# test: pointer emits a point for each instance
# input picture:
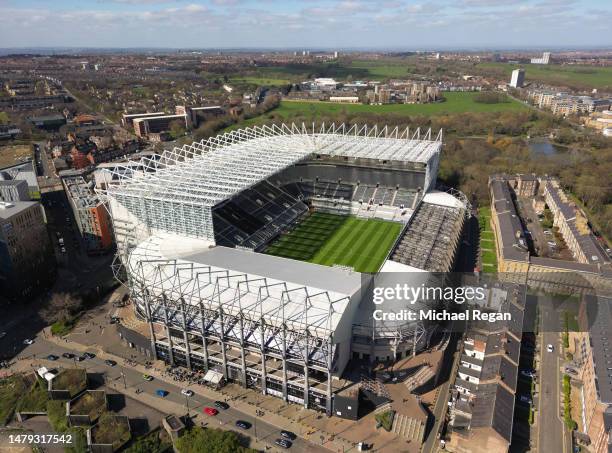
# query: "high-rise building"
(544, 60)
(27, 265)
(14, 190)
(518, 78)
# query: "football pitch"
(330, 239)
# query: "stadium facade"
(191, 224)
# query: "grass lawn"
(330, 239)
(571, 75)
(487, 241)
(14, 154)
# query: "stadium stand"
(430, 240)
(256, 216)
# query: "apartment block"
(90, 214)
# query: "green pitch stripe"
(352, 250)
(327, 254)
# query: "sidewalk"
(283, 415)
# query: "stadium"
(249, 253)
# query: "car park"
(186, 392)
(284, 443)
(242, 424)
(147, 377)
(221, 405)
(288, 435)
(211, 411)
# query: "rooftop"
(213, 170)
(9, 209)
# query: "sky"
(307, 24)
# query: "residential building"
(518, 78)
(27, 265)
(592, 355)
(127, 119)
(481, 405)
(90, 214)
(144, 126)
(545, 59)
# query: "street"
(552, 435)
(127, 380)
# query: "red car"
(210, 411)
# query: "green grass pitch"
(330, 239)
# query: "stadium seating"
(255, 216)
(430, 240)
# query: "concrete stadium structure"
(189, 224)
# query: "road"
(552, 435)
(114, 377)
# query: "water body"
(543, 146)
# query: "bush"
(11, 389)
(63, 326)
(36, 399)
(385, 419)
(567, 403)
(56, 412)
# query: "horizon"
(396, 25)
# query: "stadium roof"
(213, 170)
(287, 292)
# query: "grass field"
(312, 110)
(14, 154)
(573, 76)
(330, 239)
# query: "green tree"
(200, 440)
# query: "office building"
(14, 190)
(27, 264)
(161, 123)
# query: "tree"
(200, 440)
(62, 306)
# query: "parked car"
(547, 232)
(52, 357)
(63, 249)
(550, 348)
(525, 399)
(186, 392)
(287, 435)
(211, 411)
(528, 373)
(80, 358)
(89, 355)
(147, 377)
(68, 355)
(552, 244)
(570, 370)
(221, 405)
(110, 362)
(28, 341)
(2, 334)
(242, 424)
(284, 443)
(161, 392)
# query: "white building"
(518, 78)
(544, 60)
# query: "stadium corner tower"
(193, 224)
